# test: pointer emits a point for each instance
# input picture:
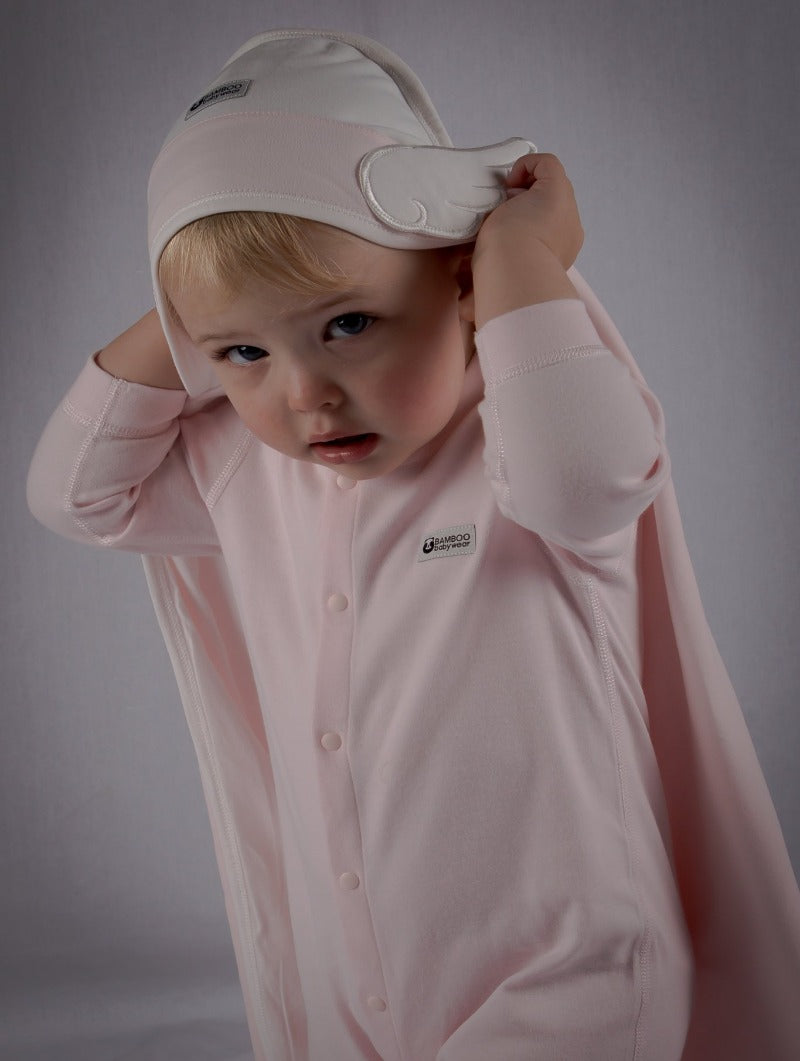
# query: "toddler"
(479, 786)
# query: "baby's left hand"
(541, 205)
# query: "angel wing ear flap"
(438, 191)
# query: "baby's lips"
(349, 449)
(331, 436)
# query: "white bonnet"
(328, 126)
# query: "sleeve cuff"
(98, 397)
(544, 333)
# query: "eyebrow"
(217, 338)
(332, 300)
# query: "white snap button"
(337, 602)
(344, 483)
(349, 881)
(331, 742)
(376, 1003)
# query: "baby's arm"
(141, 355)
(575, 447)
(110, 468)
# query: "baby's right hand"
(540, 206)
(526, 244)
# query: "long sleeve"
(110, 470)
(574, 445)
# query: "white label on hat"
(230, 90)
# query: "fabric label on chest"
(449, 541)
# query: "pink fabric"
(194, 170)
(442, 789)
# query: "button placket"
(339, 811)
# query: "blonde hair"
(225, 250)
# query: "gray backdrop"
(678, 124)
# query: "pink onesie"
(479, 785)
(418, 705)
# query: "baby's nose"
(308, 389)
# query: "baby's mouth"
(343, 441)
(347, 449)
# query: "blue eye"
(348, 325)
(241, 355)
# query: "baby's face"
(359, 379)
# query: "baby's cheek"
(414, 401)
(245, 411)
(256, 418)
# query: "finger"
(521, 172)
(532, 167)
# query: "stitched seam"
(601, 635)
(83, 453)
(104, 430)
(626, 550)
(255, 193)
(98, 431)
(500, 475)
(557, 357)
(225, 476)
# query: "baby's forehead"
(352, 264)
(335, 245)
(387, 282)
